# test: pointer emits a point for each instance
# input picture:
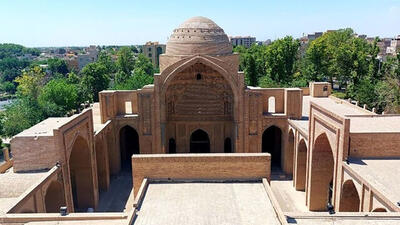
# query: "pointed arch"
(272, 143)
(54, 197)
(81, 176)
(199, 142)
(321, 179)
(289, 152)
(129, 145)
(169, 74)
(301, 162)
(379, 210)
(349, 199)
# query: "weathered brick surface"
(200, 166)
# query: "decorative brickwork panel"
(146, 114)
(199, 93)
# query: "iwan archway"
(321, 179)
(129, 145)
(82, 182)
(272, 143)
(199, 142)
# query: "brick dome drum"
(198, 35)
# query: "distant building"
(267, 42)
(89, 56)
(72, 62)
(246, 41)
(383, 44)
(362, 36)
(153, 50)
(394, 46)
(314, 36)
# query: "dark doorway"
(129, 144)
(81, 176)
(199, 142)
(172, 146)
(228, 145)
(54, 197)
(271, 143)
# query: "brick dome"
(198, 35)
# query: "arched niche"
(129, 145)
(272, 143)
(301, 162)
(81, 176)
(199, 142)
(54, 197)
(321, 179)
(349, 199)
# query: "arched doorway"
(289, 153)
(172, 146)
(379, 210)
(199, 142)
(228, 145)
(80, 166)
(350, 200)
(129, 145)
(54, 197)
(300, 170)
(321, 179)
(271, 143)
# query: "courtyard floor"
(118, 195)
(289, 199)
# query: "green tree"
(250, 70)
(281, 57)
(20, 115)
(136, 80)
(58, 97)
(30, 83)
(11, 67)
(106, 60)
(144, 63)
(57, 65)
(125, 60)
(8, 87)
(95, 78)
(388, 89)
(252, 62)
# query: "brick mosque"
(200, 147)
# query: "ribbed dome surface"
(198, 35)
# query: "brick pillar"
(294, 103)
(107, 105)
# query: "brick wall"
(200, 166)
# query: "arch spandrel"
(330, 139)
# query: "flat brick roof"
(375, 124)
(386, 182)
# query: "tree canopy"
(57, 65)
(95, 78)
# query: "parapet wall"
(200, 166)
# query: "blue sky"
(36, 23)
